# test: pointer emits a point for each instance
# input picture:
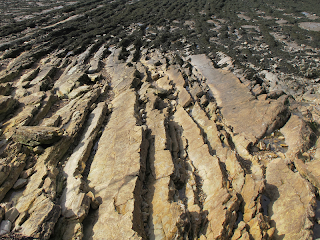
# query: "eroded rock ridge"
(93, 147)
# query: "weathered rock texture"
(93, 147)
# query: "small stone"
(38, 150)
(203, 100)
(20, 183)
(262, 146)
(5, 227)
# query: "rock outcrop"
(93, 147)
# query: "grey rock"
(20, 183)
(5, 227)
(12, 214)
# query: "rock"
(5, 227)
(24, 60)
(12, 214)
(165, 219)
(275, 94)
(46, 104)
(196, 91)
(257, 90)
(28, 107)
(38, 149)
(163, 86)
(240, 110)
(94, 202)
(75, 202)
(27, 173)
(20, 183)
(16, 166)
(95, 77)
(2, 213)
(37, 135)
(298, 136)
(27, 77)
(225, 155)
(43, 216)
(290, 222)
(45, 72)
(95, 61)
(121, 179)
(184, 98)
(5, 88)
(7, 105)
(251, 191)
(78, 91)
(45, 168)
(220, 204)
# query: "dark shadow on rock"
(272, 192)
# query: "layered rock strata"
(93, 147)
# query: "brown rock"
(43, 216)
(16, 167)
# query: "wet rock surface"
(152, 150)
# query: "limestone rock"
(165, 219)
(75, 202)
(247, 116)
(43, 216)
(120, 143)
(219, 203)
(292, 202)
(15, 168)
(297, 136)
(184, 98)
(95, 61)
